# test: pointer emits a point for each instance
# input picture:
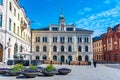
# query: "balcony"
(23, 25)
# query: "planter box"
(3, 70)
(51, 73)
(13, 73)
(64, 71)
(30, 75)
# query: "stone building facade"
(15, 33)
(61, 42)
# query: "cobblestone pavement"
(101, 72)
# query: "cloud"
(107, 1)
(87, 9)
(101, 21)
(38, 23)
(80, 13)
(112, 1)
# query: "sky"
(96, 15)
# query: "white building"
(61, 42)
(15, 32)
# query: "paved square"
(101, 72)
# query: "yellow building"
(97, 49)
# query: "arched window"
(15, 48)
(86, 58)
(70, 48)
(62, 48)
(86, 48)
(54, 58)
(69, 58)
(62, 58)
(79, 48)
(44, 57)
(79, 58)
(21, 48)
(54, 48)
(37, 57)
(44, 48)
(37, 48)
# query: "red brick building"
(111, 44)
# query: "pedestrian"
(94, 64)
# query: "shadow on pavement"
(6, 75)
(21, 77)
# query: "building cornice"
(80, 32)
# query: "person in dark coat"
(94, 64)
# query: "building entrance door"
(69, 58)
(62, 58)
(1, 52)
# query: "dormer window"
(69, 29)
(55, 29)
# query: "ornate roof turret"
(61, 17)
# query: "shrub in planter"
(64, 71)
(16, 70)
(31, 72)
(50, 70)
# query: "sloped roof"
(80, 29)
(115, 26)
(44, 29)
(96, 38)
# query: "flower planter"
(13, 73)
(3, 70)
(64, 71)
(50, 73)
(30, 73)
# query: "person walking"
(94, 64)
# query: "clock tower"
(62, 21)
